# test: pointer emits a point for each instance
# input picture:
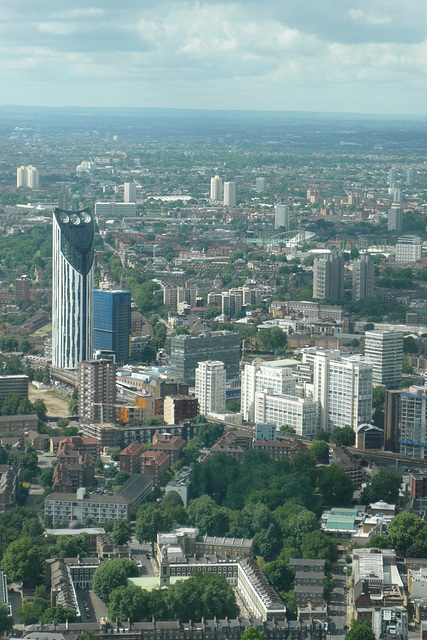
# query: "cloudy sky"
(362, 56)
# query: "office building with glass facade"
(112, 323)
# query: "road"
(338, 618)
(147, 566)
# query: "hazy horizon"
(367, 58)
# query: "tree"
(22, 562)
(360, 632)
(121, 477)
(3, 455)
(301, 524)
(252, 633)
(10, 404)
(271, 339)
(320, 450)
(318, 545)
(410, 345)
(40, 409)
(112, 574)
(28, 463)
(202, 595)
(384, 486)
(62, 423)
(129, 603)
(404, 530)
(343, 435)
(66, 547)
(378, 397)
(87, 635)
(207, 516)
(285, 428)
(32, 528)
(172, 499)
(150, 520)
(6, 621)
(121, 532)
(321, 435)
(335, 486)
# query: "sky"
(357, 56)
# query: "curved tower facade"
(72, 287)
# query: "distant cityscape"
(213, 347)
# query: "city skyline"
(211, 55)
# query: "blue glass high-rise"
(112, 323)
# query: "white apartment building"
(100, 508)
(300, 413)
(275, 377)
(408, 249)
(281, 216)
(413, 422)
(229, 194)
(384, 350)
(130, 192)
(343, 387)
(210, 386)
(216, 189)
(349, 400)
(27, 177)
(106, 209)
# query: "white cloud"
(58, 28)
(211, 53)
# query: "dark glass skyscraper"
(112, 314)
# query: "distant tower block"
(260, 184)
(130, 192)
(229, 194)
(395, 219)
(216, 189)
(392, 174)
(27, 177)
(281, 216)
(410, 177)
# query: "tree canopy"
(112, 574)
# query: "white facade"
(115, 209)
(69, 507)
(349, 399)
(216, 189)
(281, 216)
(269, 377)
(408, 249)
(130, 192)
(229, 194)
(300, 413)
(72, 287)
(210, 386)
(343, 387)
(384, 350)
(27, 177)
